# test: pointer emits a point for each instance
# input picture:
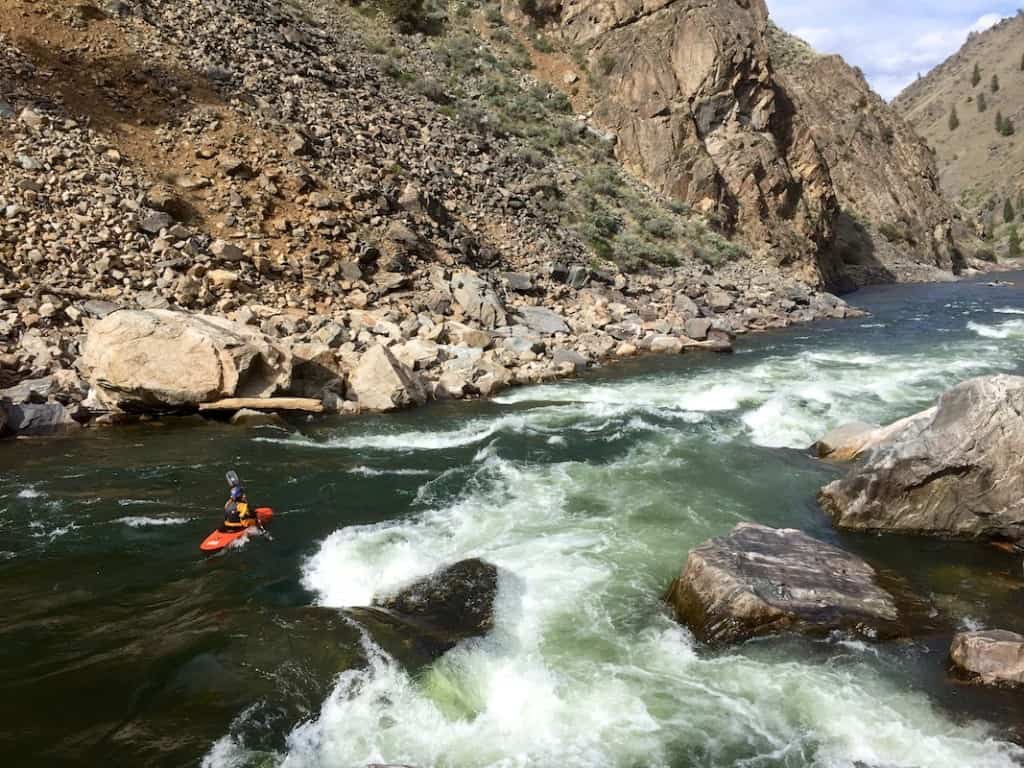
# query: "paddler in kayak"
(237, 513)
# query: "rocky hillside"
(345, 179)
(789, 150)
(956, 108)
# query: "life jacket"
(236, 514)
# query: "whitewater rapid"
(584, 667)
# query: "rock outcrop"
(160, 360)
(894, 223)
(957, 472)
(760, 581)
(381, 382)
(713, 105)
(850, 441)
(991, 657)
(434, 614)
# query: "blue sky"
(892, 40)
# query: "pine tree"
(995, 83)
(976, 75)
(999, 122)
(954, 120)
(1008, 212)
(1007, 129)
(1014, 252)
(982, 102)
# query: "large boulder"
(991, 657)
(760, 581)
(957, 471)
(159, 360)
(850, 441)
(381, 382)
(478, 300)
(433, 614)
(543, 321)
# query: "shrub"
(604, 180)
(976, 75)
(982, 102)
(1008, 213)
(1007, 129)
(493, 16)
(663, 229)
(954, 120)
(1014, 251)
(995, 84)
(604, 222)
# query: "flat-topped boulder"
(956, 470)
(991, 657)
(161, 360)
(761, 581)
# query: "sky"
(891, 40)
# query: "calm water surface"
(123, 645)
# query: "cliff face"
(894, 222)
(790, 150)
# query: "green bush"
(1014, 251)
(982, 102)
(663, 229)
(954, 120)
(976, 76)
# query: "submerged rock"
(760, 581)
(956, 471)
(991, 657)
(432, 615)
(163, 360)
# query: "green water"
(123, 645)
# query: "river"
(123, 645)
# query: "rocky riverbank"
(291, 190)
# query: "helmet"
(237, 493)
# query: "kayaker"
(236, 511)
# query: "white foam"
(374, 472)
(1008, 311)
(566, 678)
(145, 522)
(1009, 329)
(30, 493)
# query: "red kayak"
(219, 539)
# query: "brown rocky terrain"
(406, 215)
(979, 167)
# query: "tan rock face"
(895, 222)
(689, 91)
(992, 657)
(159, 359)
(789, 150)
(382, 383)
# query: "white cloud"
(890, 41)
